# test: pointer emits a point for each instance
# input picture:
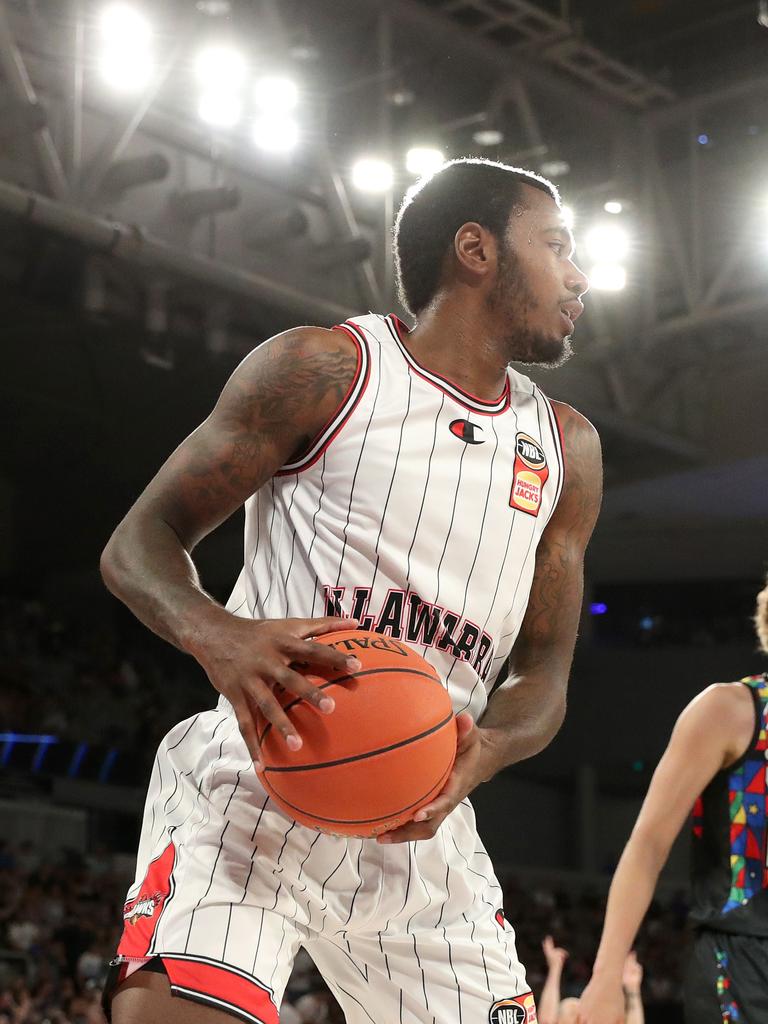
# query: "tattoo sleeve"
(528, 708)
(274, 404)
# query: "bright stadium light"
(370, 174)
(613, 206)
(221, 69)
(275, 134)
(276, 95)
(125, 61)
(220, 109)
(607, 277)
(423, 160)
(125, 26)
(607, 243)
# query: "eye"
(558, 247)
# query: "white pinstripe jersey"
(417, 510)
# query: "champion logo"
(469, 432)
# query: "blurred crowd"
(54, 665)
(60, 922)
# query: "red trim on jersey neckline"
(465, 398)
(355, 391)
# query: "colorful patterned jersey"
(729, 862)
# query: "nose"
(576, 280)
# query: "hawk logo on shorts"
(144, 907)
(514, 1010)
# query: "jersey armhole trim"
(758, 709)
(323, 439)
(558, 440)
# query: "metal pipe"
(15, 74)
(135, 246)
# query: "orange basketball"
(386, 750)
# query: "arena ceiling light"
(275, 134)
(221, 72)
(220, 109)
(423, 160)
(607, 243)
(220, 69)
(125, 59)
(275, 94)
(370, 174)
(607, 277)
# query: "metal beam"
(128, 243)
(424, 22)
(645, 433)
(706, 316)
(15, 74)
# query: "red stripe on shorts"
(219, 985)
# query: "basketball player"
(719, 745)
(554, 1010)
(410, 482)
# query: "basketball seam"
(345, 679)
(367, 821)
(363, 756)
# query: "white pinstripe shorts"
(228, 888)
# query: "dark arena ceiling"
(144, 250)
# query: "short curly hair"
(761, 618)
(431, 213)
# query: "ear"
(475, 249)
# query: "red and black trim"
(204, 981)
(559, 444)
(399, 331)
(355, 392)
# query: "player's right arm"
(274, 404)
(711, 733)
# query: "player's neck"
(459, 343)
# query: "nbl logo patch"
(514, 1010)
(530, 475)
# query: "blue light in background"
(703, 139)
(77, 759)
(10, 739)
(107, 765)
(646, 623)
(598, 608)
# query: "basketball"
(385, 752)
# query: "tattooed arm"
(274, 404)
(526, 711)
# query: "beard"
(513, 303)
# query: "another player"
(719, 745)
(415, 483)
(554, 1010)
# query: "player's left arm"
(526, 711)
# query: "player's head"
(497, 234)
(569, 1011)
(761, 618)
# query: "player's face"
(538, 286)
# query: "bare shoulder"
(300, 376)
(577, 429)
(583, 488)
(723, 709)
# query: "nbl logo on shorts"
(514, 1010)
